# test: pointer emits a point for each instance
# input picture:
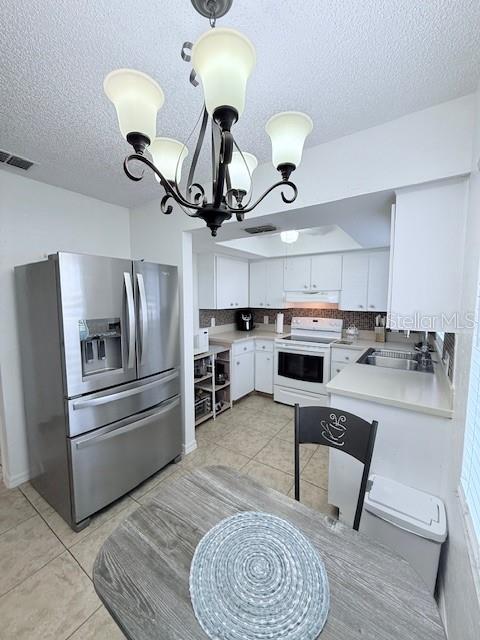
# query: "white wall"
(37, 219)
(166, 239)
(459, 598)
(426, 145)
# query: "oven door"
(303, 368)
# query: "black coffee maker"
(244, 318)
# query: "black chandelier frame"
(225, 201)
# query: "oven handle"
(302, 350)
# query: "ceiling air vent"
(266, 228)
(15, 161)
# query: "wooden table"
(141, 572)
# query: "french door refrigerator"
(100, 364)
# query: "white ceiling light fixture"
(223, 60)
(289, 237)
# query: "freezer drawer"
(111, 461)
(99, 409)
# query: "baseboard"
(12, 481)
(189, 447)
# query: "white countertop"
(413, 390)
(229, 337)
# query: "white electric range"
(302, 361)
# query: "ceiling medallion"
(223, 60)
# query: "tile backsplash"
(364, 320)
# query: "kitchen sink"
(403, 360)
(393, 363)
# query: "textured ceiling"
(350, 65)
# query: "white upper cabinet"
(426, 280)
(314, 273)
(266, 284)
(365, 281)
(258, 283)
(378, 268)
(354, 282)
(274, 284)
(297, 274)
(222, 282)
(326, 272)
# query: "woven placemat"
(255, 577)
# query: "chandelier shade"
(241, 169)
(223, 59)
(137, 99)
(168, 155)
(288, 131)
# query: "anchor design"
(335, 430)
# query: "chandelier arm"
(224, 160)
(281, 183)
(198, 147)
(170, 188)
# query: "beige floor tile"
(86, 550)
(70, 537)
(152, 482)
(280, 454)
(261, 421)
(269, 477)
(24, 549)
(315, 498)
(281, 411)
(49, 605)
(211, 454)
(32, 495)
(212, 430)
(316, 469)
(287, 432)
(14, 509)
(245, 441)
(100, 626)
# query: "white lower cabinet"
(264, 371)
(337, 367)
(243, 374)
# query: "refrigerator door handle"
(131, 319)
(144, 324)
(94, 402)
(132, 426)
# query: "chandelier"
(223, 60)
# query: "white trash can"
(410, 522)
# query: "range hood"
(332, 297)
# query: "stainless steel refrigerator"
(100, 363)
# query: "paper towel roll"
(279, 323)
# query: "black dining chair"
(339, 430)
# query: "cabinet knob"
(372, 306)
(263, 346)
(231, 304)
(305, 286)
(268, 304)
(347, 357)
(261, 304)
(314, 286)
(268, 359)
(236, 304)
(238, 363)
(360, 306)
(244, 348)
